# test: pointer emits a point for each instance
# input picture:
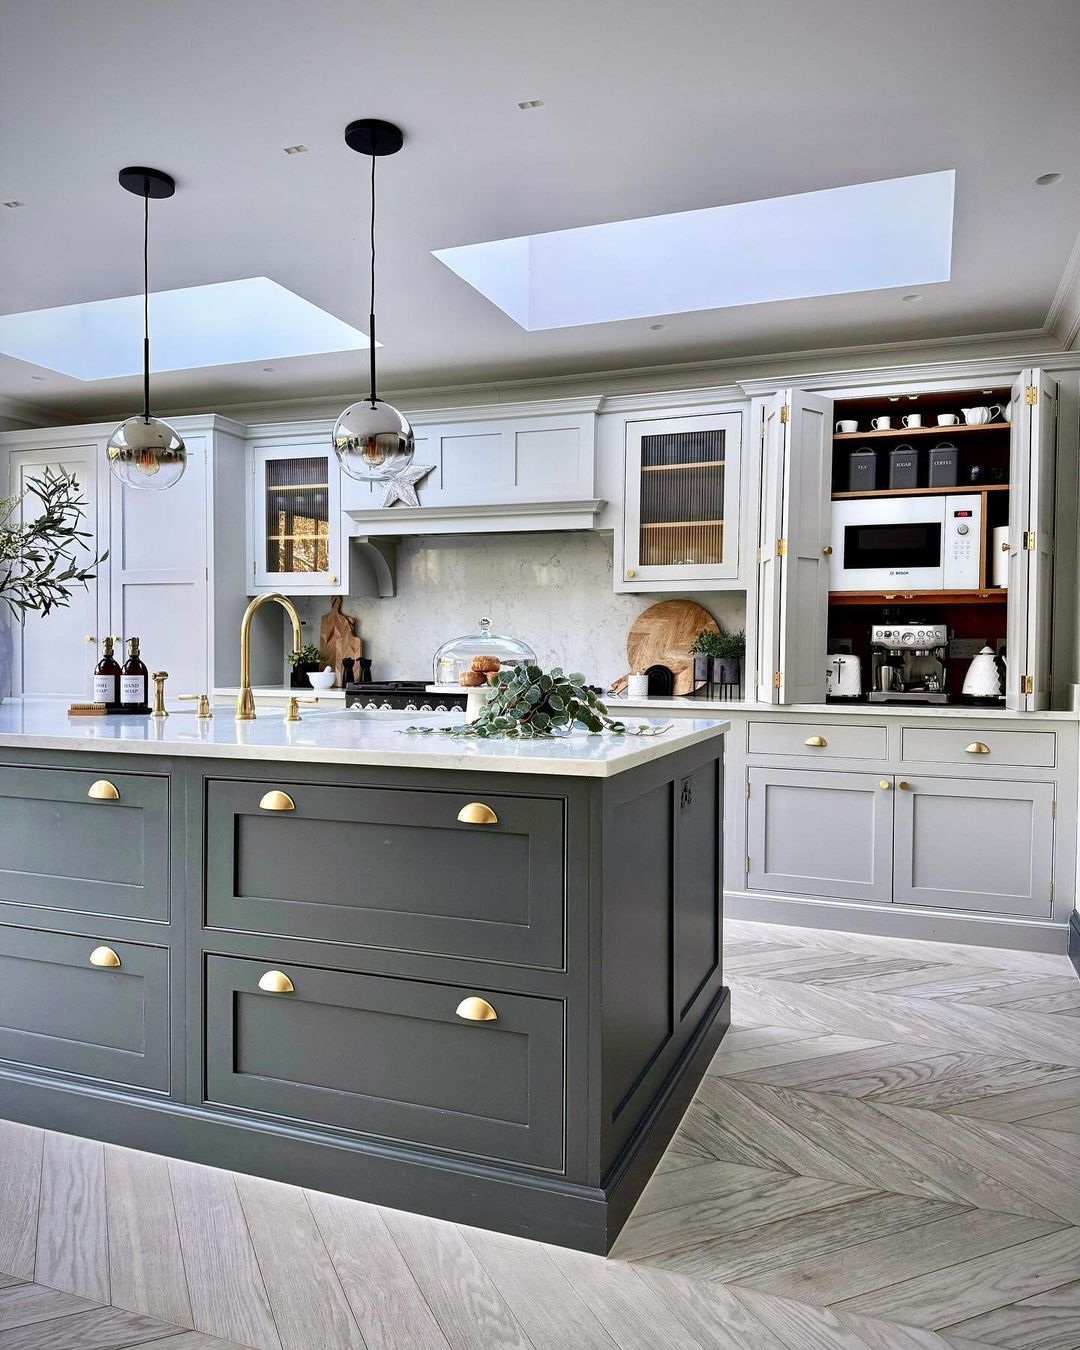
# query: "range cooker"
(400, 696)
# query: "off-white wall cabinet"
(174, 576)
(682, 501)
(295, 528)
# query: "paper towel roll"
(999, 548)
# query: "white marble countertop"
(342, 737)
(659, 705)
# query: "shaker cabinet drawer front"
(79, 1006)
(406, 870)
(387, 1057)
(85, 841)
(975, 844)
(814, 740)
(979, 747)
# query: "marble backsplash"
(552, 591)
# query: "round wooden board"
(662, 635)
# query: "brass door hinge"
(785, 413)
(748, 787)
(1051, 890)
(781, 548)
(1027, 684)
(1029, 541)
(748, 863)
(776, 679)
(1053, 810)
(1031, 395)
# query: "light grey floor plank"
(1048, 1321)
(761, 1057)
(146, 1266)
(1034, 1100)
(711, 1312)
(670, 1189)
(867, 1266)
(309, 1304)
(385, 1299)
(20, 1184)
(634, 1315)
(891, 1336)
(865, 1070)
(471, 1312)
(72, 1238)
(194, 1340)
(98, 1329)
(225, 1285)
(23, 1304)
(10, 1281)
(1067, 1121)
(961, 1292)
(547, 1308)
(801, 1325)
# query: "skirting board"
(893, 921)
(1074, 940)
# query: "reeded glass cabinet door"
(682, 500)
(297, 535)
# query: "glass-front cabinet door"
(681, 519)
(296, 520)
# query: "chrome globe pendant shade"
(371, 438)
(144, 452)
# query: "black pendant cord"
(373, 398)
(146, 308)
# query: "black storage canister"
(904, 467)
(862, 470)
(944, 468)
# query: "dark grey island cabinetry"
(478, 982)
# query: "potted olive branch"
(527, 703)
(39, 563)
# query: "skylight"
(253, 319)
(867, 237)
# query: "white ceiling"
(649, 107)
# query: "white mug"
(948, 420)
(912, 420)
(977, 417)
(846, 426)
(1006, 412)
(880, 423)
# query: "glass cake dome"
(470, 659)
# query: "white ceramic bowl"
(321, 679)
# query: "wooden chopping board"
(337, 638)
(661, 636)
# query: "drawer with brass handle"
(840, 740)
(103, 791)
(429, 871)
(988, 749)
(90, 1011)
(402, 1060)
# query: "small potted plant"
(303, 661)
(726, 652)
(700, 651)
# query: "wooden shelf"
(678, 524)
(922, 492)
(990, 596)
(905, 432)
(697, 464)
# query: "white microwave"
(917, 543)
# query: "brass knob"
(819, 741)
(275, 982)
(476, 1009)
(103, 791)
(332, 579)
(904, 787)
(977, 748)
(1004, 546)
(827, 550)
(629, 571)
(885, 785)
(276, 801)
(476, 813)
(89, 638)
(104, 956)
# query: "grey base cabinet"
(496, 1016)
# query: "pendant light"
(145, 452)
(371, 438)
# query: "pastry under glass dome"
(455, 658)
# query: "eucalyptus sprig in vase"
(42, 559)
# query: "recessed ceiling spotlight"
(528, 103)
(658, 327)
(1047, 179)
(267, 369)
(37, 377)
(13, 204)
(911, 297)
(296, 149)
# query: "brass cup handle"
(275, 982)
(476, 1009)
(977, 748)
(819, 742)
(103, 791)
(104, 956)
(904, 787)
(885, 785)
(276, 801)
(476, 813)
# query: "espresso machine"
(908, 662)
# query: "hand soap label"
(131, 690)
(104, 688)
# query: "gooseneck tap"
(245, 700)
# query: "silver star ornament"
(399, 485)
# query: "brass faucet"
(245, 700)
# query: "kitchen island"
(475, 979)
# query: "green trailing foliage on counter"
(527, 703)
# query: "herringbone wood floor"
(885, 1153)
